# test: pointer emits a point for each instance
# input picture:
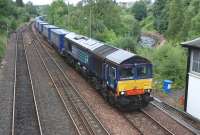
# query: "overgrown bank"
(12, 15)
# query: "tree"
(106, 36)
(104, 10)
(19, 3)
(169, 62)
(130, 27)
(176, 19)
(160, 13)
(57, 10)
(103, 20)
(128, 43)
(140, 10)
(195, 25)
(31, 9)
(191, 23)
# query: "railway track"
(145, 124)
(25, 119)
(83, 118)
(184, 119)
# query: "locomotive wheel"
(111, 98)
(104, 93)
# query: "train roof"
(70, 35)
(60, 31)
(41, 22)
(39, 18)
(83, 41)
(100, 49)
(104, 50)
(119, 56)
(50, 26)
(192, 44)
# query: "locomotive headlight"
(122, 93)
(147, 90)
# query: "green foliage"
(128, 43)
(2, 44)
(130, 26)
(140, 10)
(106, 35)
(160, 12)
(100, 19)
(148, 24)
(195, 25)
(169, 63)
(12, 15)
(19, 3)
(57, 10)
(42, 9)
(176, 18)
(31, 9)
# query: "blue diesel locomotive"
(123, 78)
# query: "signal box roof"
(192, 44)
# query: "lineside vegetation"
(12, 15)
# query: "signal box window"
(195, 62)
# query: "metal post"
(68, 12)
(7, 34)
(90, 22)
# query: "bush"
(127, 43)
(2, 45)
(106, 36)
(169, 63)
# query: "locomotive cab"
(134, 79)
(131, 82)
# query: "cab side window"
(112, 72)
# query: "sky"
(44, 2)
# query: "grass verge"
(3, 40)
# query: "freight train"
(123, 78)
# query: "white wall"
(193, 102)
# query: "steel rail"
(57, 89)
(78, 111)
(89, 130)
(33, 90)
(131, 123)
(14, 87)
(181, 122)
(157, 122)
